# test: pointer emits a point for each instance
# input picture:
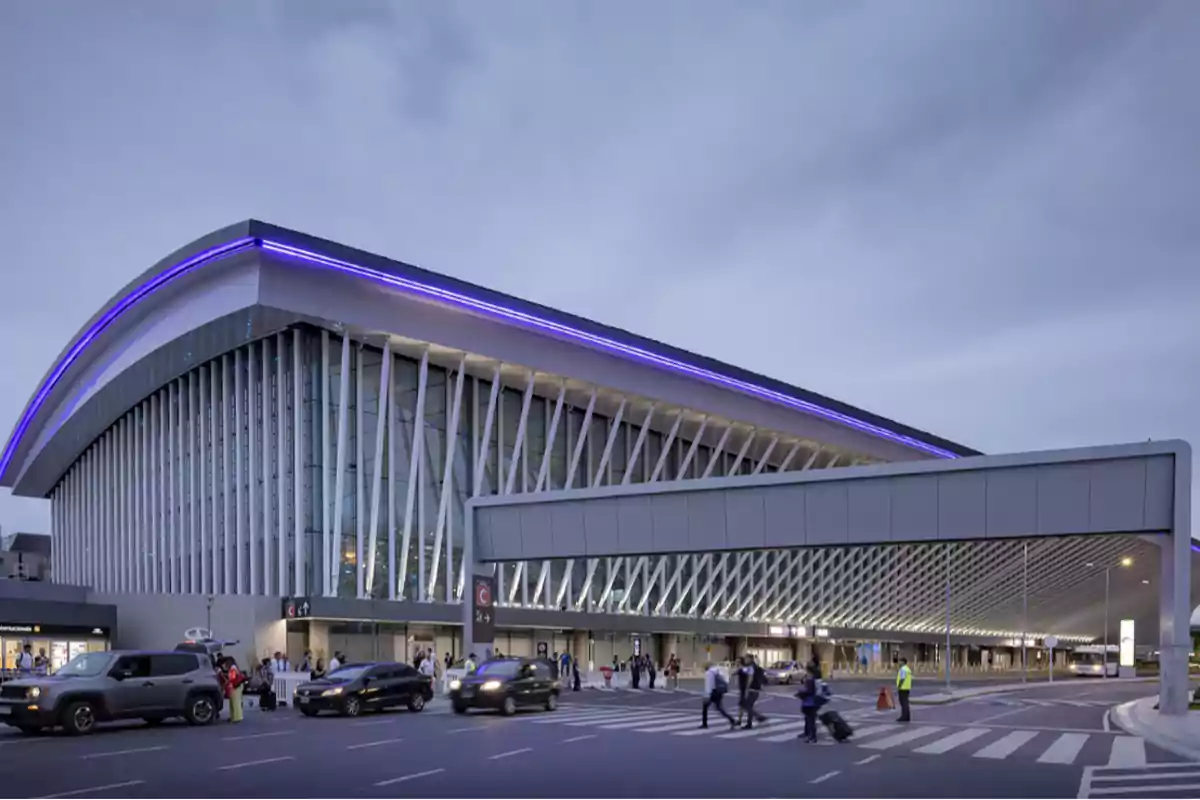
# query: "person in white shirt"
(279, 664)
(715, 687)
(334, 662)
(25, 660)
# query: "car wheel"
(351, 707)
(460, 708)
(552, 702)
(79, 718)
(200, 710)
(416, 703)
(788, 680)
(308, 712)
(508, 707)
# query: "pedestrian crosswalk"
(1044, 746)
(1175, 779)
(1044, 703)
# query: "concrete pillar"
(670, 645)
(579, 650)
(1175, 609)
(318, 640)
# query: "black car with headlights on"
(507, 684)
(354, 688)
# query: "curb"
(1124, 717)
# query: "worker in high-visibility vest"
(903, 687)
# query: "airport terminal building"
(276, 436)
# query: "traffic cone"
(885, 700)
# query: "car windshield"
(85, 665)
(347, 673)
(498, 669)
(781, 665)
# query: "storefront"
(57, 643)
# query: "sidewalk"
(1179, 735)
(978, 691)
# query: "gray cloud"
(974, 217)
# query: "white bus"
(1091, 660)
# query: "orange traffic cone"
(885, 700)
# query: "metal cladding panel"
(870, 510)
(745, 519)
(1160, 493)
(1062, 498)
(537, 529)
(784, 516)
(962, 504)
(1011, 502)
(567, 521)
(499, 535)
(1118, 495)
(1129, 495)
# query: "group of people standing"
(640, 665)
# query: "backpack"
(720, 685)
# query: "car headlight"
(490, 686)
(455, 684)
(35, 691)
(332, 692)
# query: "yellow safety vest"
(904, 679)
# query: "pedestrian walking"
(756, 678)
(233, 681)
(635, 671)
(715, 687)
(903, 687)
(809, 701)
(651, 670)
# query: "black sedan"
(354, 688)
(505, 685)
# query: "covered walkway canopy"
(1019, 538)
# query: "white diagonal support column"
(339, 478)
(666, 450)
(581, 444)
(637, 449)
(766, 456)
(586, 590)
(447, 482)
(268, 517)
(393, 436)
(298, 499)
(691, 451)
(414, 464)
(327, 468)
(518, 445)
(608, 584)
(631, 577)
(381, 419)
(659, 568)
(787, 460)
(206, 542)
(613, 431)
(551, 434)
(737, 461)
(254, 522)
(279, 454)
(486, 442)
(360, 499)
(717, 452)
(228, 527)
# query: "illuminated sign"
(777, 630)
(799, 631)
(822, 633)
(1127, 643)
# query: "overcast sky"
(979, 218)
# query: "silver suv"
(102, 687)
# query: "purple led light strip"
(89, 336)
(637, 353)
(465, 301)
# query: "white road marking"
(1065, 749)
(104, 788)
(125, 752)
(675, 726)
(256, 736)
(826, 776)
(584, 723)
(761, 729)
(948, 743)
(372, 744)
(579, 738)
(256, 763)
(609, 714)
(384, 721)
(1127, 751)
(510, 753)
(1003, 714)
(414, 776)
(867, 760)
(900, 738)
(676, 718)
(1006, 745)
(1105, 722)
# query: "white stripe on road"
(256, 763)
(948, 743)
(826, 776)
(125, 752)
(414, 776)
(372, 744)
(579, 738)
(1006, 745)
(867, 760)
(104, 788)
(1128, 751)
(1065, 749)
(674, 726)
(900, 738)
(761, 729)
(510, 753)
(553, 719)
(1147, 791)
(384, 721)
(256, 736)
(691, 720)
(585, 723)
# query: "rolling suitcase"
(838, 727)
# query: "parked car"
(784, 672)
(108, 686)
(354, 688)
(506, 684)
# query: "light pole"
(1125, 561)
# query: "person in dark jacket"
(809, 702)
(635, 671)
(651, 670)
(756, 678)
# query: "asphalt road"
(1044, 742)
